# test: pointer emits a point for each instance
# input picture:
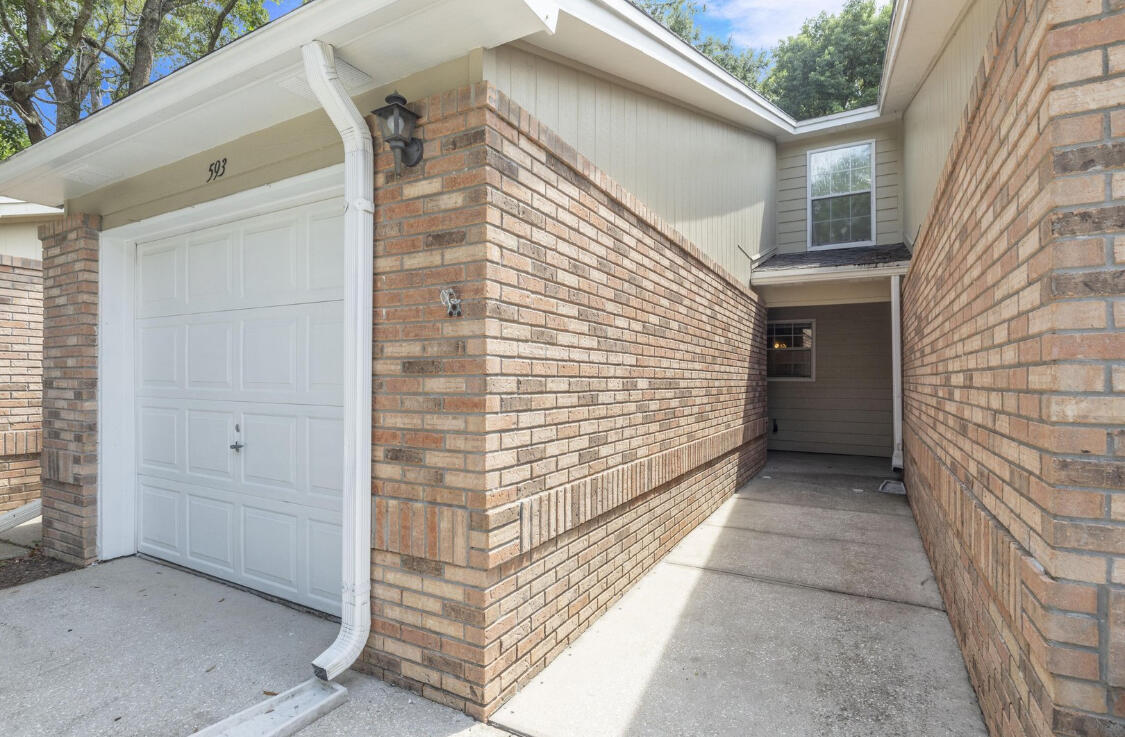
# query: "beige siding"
(792, 185)
(21, 240)
(712, 181)
(295, 147)
(837, 292)
(847, 409)
(933, 116)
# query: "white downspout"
(359, 188)
(896, 367)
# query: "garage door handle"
(237, 446)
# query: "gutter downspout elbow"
(359, 187)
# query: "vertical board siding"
(935, 113)
(847, 409)
(792, 192)
(711, 181)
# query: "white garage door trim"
(117, 457)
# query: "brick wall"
(21, 325)
(70, 398)
(602, 393)
(1013, 434)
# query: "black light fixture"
(396, 126)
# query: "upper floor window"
(841, 196)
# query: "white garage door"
(239, 342)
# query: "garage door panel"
(323, 561)
(324, 457)
(324, 267)
(210, 532)
(269, 548)
(290, 354)
(267, 260)
(270, 456)
(292, 453)
(160, 520)
(269, 352)
(210, 434)
(160, 356)
(160, 434)
(210, 268)
(210, 355)
(159, 283)
(325, 355)
(240, 338)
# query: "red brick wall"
(70, 398)
(21, 327)
(602, 393)
(1012, 431)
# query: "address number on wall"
(216, 169)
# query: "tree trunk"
(26, 111)
(144, 55)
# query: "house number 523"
(217, 169)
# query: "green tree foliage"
(13, 136)
(60, 60)
(834, 64)
(679, 16)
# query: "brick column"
(70, 400)
(21, 331)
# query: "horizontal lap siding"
(847, 409)
(792, 191)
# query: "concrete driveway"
(132, 647)
(804, 606)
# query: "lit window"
(789, 351)
(841, 211)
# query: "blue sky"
(760, 24)
(752, 23)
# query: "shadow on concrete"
(804, 606)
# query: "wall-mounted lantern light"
(396, 126)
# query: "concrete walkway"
(804, 606)
(132, 647)
(19, 540)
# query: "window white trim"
(808, 197)
(812, 351)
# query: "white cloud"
(762, 24)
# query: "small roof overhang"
(258, 81)
(864, 262)
(920, 29)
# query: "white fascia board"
(829, 273)
(629, 25)
(237, 89)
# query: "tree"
(678, 16)
(63, 59)
(13, 136)
(834, 64)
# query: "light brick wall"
(1011, 342)
(70, 398)
(603, 392)
(21, 326)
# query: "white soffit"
(248, 85)
(920, 29)
(615, 37)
